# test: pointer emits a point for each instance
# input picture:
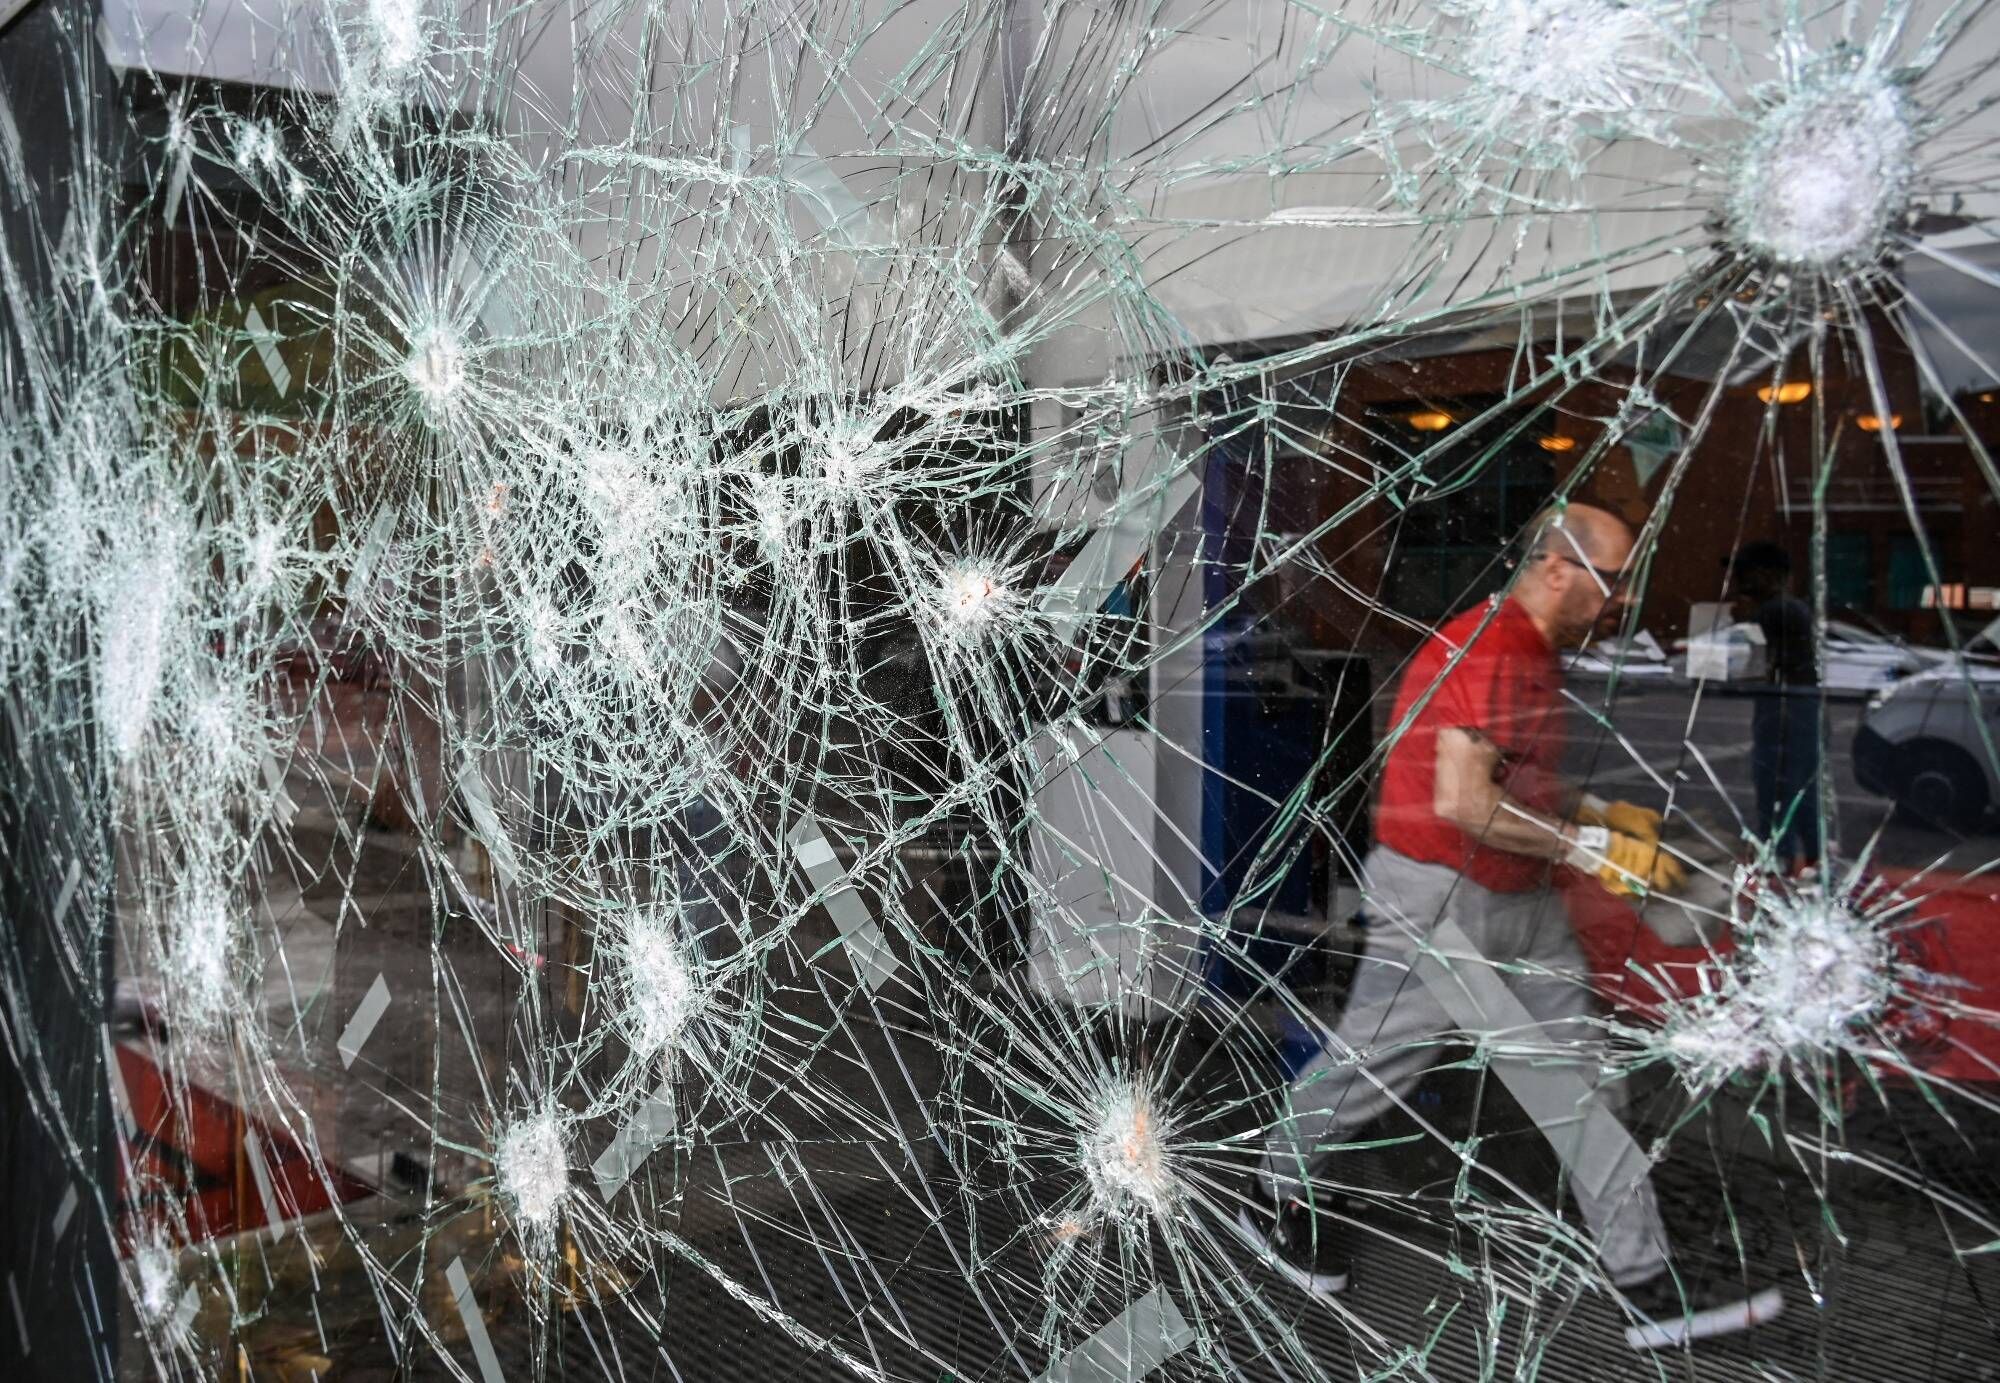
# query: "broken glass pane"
(947, 691)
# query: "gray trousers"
(1450, 961)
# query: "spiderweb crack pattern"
(618, 624)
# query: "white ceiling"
(1209, 92)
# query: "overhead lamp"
(1556, 442)
(1871, 422)
(1791, 391)
(1986, 398)
(1430, 420)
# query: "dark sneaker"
(1672, 1313)
(1293, 1240)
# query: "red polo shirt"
(1507, 686)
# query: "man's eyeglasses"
(1609, 581)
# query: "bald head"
(1583, 531)
(1573, 580)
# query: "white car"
(1857, 659)
(1930, 740)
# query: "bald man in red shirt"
(1468, 943)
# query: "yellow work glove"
(1626, 863)
(1628, 818)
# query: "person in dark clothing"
(1786, 718)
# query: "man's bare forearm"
(1468, 794)
(1521, 830)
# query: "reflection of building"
(1412, 536)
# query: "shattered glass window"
(1078, 691)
